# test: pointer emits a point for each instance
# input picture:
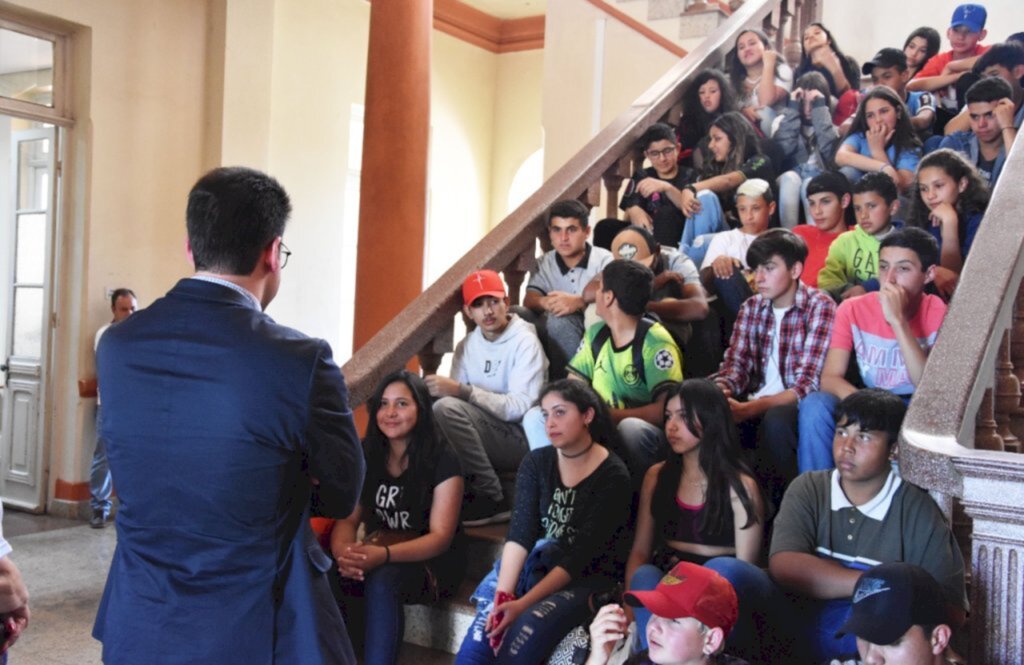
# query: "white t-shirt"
(734, 243)
(773, 384)
(783, 79)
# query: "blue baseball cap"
(973, 16)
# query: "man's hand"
(666, 276)
(13, 601)
(1003, 111)
(442, 386)
(724, 266)
(852, 292)
(689, 203)
(741, 411)
(649, 186)
(721, 385)
(768, 61)
(560, 303)
(752, 113)
(945, 281)
(894, 302)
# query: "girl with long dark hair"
(759, 77)
(572, 498)
(881, 139)
(921, 45)
(702, 505)
(949, 202)
(731, 155)
(410, 507)
(707, 97)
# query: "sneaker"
(482, 510)
(98, 520)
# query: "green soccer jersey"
(614, 374)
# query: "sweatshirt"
(505, 376)
(852, 259)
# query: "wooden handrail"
(433, 310)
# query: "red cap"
(482, 283)
(693, 591)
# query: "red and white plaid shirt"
(805, 333)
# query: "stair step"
(443, 626)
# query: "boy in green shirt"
(851, 267)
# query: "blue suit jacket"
(216, 419)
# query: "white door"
(26, 221)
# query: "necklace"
(579, 454)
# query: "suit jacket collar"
(202, 289)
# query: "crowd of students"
(790, 250)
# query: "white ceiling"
(506, 9)
(20, 52)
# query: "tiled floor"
(64, 564)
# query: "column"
(393, 189)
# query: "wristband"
(690, 188)
(387, 554)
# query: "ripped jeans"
(537, 631)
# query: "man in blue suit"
(225, 431)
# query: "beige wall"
(631, 64)
(861, 28)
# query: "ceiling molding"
(487, 32)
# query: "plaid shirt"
(806, 330)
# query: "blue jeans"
(814, 624)
(701, 227)
(643, 444)
(758, 597)
(384, 593)
(100, 483)
(817, 427)
(537, 631)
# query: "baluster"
(612, 183)
(430, 356)
(592, 196)
(1007, 395)
(1017, 361)
(674, 114)
(516, 272)
(795, 26)
(986, 437)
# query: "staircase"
(962, 437)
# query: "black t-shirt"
(588, 520)
(386, 503)
(668, 220)
(985, 167)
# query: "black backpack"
(605, 333)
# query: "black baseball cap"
(892, 597)
(887, 57)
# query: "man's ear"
(905, 76)
(797, 269)
(939, 639)
(1017, 72)
(271, 255)
(771, 208)
(713, 640)
(929, 274)
(845, 201)
(982, 35)
(893, 208)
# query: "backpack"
(605, 333)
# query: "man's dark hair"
(118, 293)
(570, 209)
(873, 409)
(233, 214)
(989, 90)
(776, 242)
(630, 283)
(1008, 54)
(659, 131)
(879, 183)
(829, 181)
(1016, 38)
(916, 240)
